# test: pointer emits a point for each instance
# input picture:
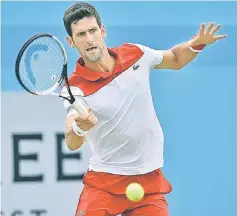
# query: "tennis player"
(122, 128)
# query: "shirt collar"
(95, 75)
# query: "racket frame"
(64, 76)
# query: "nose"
(89, 39)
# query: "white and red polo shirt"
(127, 139)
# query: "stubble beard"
(95, 57)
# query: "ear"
(70, 41)
(103, 30)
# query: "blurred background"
(196, 106)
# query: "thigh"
(100, 203)
(154, 204)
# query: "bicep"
(169, 61)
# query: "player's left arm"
(181, 54)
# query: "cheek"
(99, 37)
(80, 45)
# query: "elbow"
(178, 67)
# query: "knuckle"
(77, 122)
(76, 118)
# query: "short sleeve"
(153, 57)
(77, 93)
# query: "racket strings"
(41, 65)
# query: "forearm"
(179, 56)
(76, 129)
(183, 53)
(73, 141)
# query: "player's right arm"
(74, 141)
(74, 122)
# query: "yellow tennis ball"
(134, 192)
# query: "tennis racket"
(41, 69)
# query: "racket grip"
(80, 108)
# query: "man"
(122, 128)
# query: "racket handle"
(80, 108)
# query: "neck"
(105, 64)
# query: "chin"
(94, 58)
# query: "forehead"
(84, 24)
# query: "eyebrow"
(79, 31)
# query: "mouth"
(91, 49)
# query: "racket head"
(41, 64)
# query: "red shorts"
(104, 195)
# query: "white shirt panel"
(154, 57)
(127, 138)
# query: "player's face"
(88, 38)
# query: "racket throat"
(71, 100)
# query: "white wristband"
(194, 50)
(78, 131)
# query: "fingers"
(92, 119)
(202, 27)
(209, 27)
(85, 127)
(220, 37)
(91, 116)
(89, 109)
(208, 34)
(81, 118)
(214, 30)
(209, 30)
(84, 117)
(88, 123)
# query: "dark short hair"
(77, 12)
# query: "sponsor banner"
(40, 176)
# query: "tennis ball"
(134, 192)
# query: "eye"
(81, 34)
(92, 30)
